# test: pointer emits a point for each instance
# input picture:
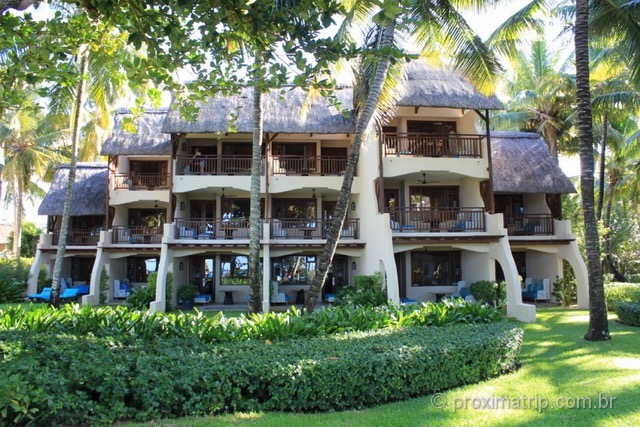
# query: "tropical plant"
(27, 140)
(565, 291)
(187, 292)
(541, 98)
(104, 285)
(367, 291)
(30, 236)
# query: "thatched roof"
(428, 87)
(89, 192)
(280, 115)
(522, 163)
(425, 87)
(148, 138)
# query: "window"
(81, 268)
(294, 208)
(431, 127)
(294, 270)
(138, 268)
(235, 270)
(435, 268)
(426, 198)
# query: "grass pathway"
(561, 376)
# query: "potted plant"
(186, 294)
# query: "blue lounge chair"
(69, 294)
(44, 295)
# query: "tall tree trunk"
(608, 258)
(598, 324)
(255, 224)
(66, 213)
(362, 123)
(17, 222)
(602, 163)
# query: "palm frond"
(507, 39)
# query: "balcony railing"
(309, 165)
(137, 235)
(529, 225)
(212, 229)
(78, 237)
(311, 229)
(214, 165)
(141, 181)
(432, 145)
(437, 220)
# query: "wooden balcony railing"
(311, 228)
(214, 165)
(141, 181)
(432, 145)
(137, 235)
(78, 237)
(309, 165)
(437, 220)
(529, 225)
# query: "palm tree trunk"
(17, 224)
(598, 324)
(603, 152)
(340, 212)
(255, 289)
(66, 213)
(608, 257)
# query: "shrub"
(13, 280)
(628, 313)
(120, 322)
(565, 291)
(615, 293)
(140, 298)
(104, 286)
(187, 292)
(367, 291)
(489, 292)
(148, 379)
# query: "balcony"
(529, 225)
(425, 220)
(309, 165)
(137, 235)
(214, 165)
(312, 229)
(213, 229)
(432, 145)
(141, 181)
(78, 237)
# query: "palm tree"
(28, 149)
(541, 97)
(75, 137)
(434, 29)
(598, 324)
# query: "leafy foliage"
(30, 235)
(367, 291)
(104, 286)
(120, 323)
(616, 293)
(628, 313)
(489, 292)
(565, 290)
(160, 377)
(13, 280)
(140, 298)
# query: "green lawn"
(559, 368)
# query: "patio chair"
(44, 295)
(69, 294)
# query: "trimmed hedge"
(628, 313)
(615, 293)
(80, 380)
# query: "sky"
(483, 23)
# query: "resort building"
(438, 202)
